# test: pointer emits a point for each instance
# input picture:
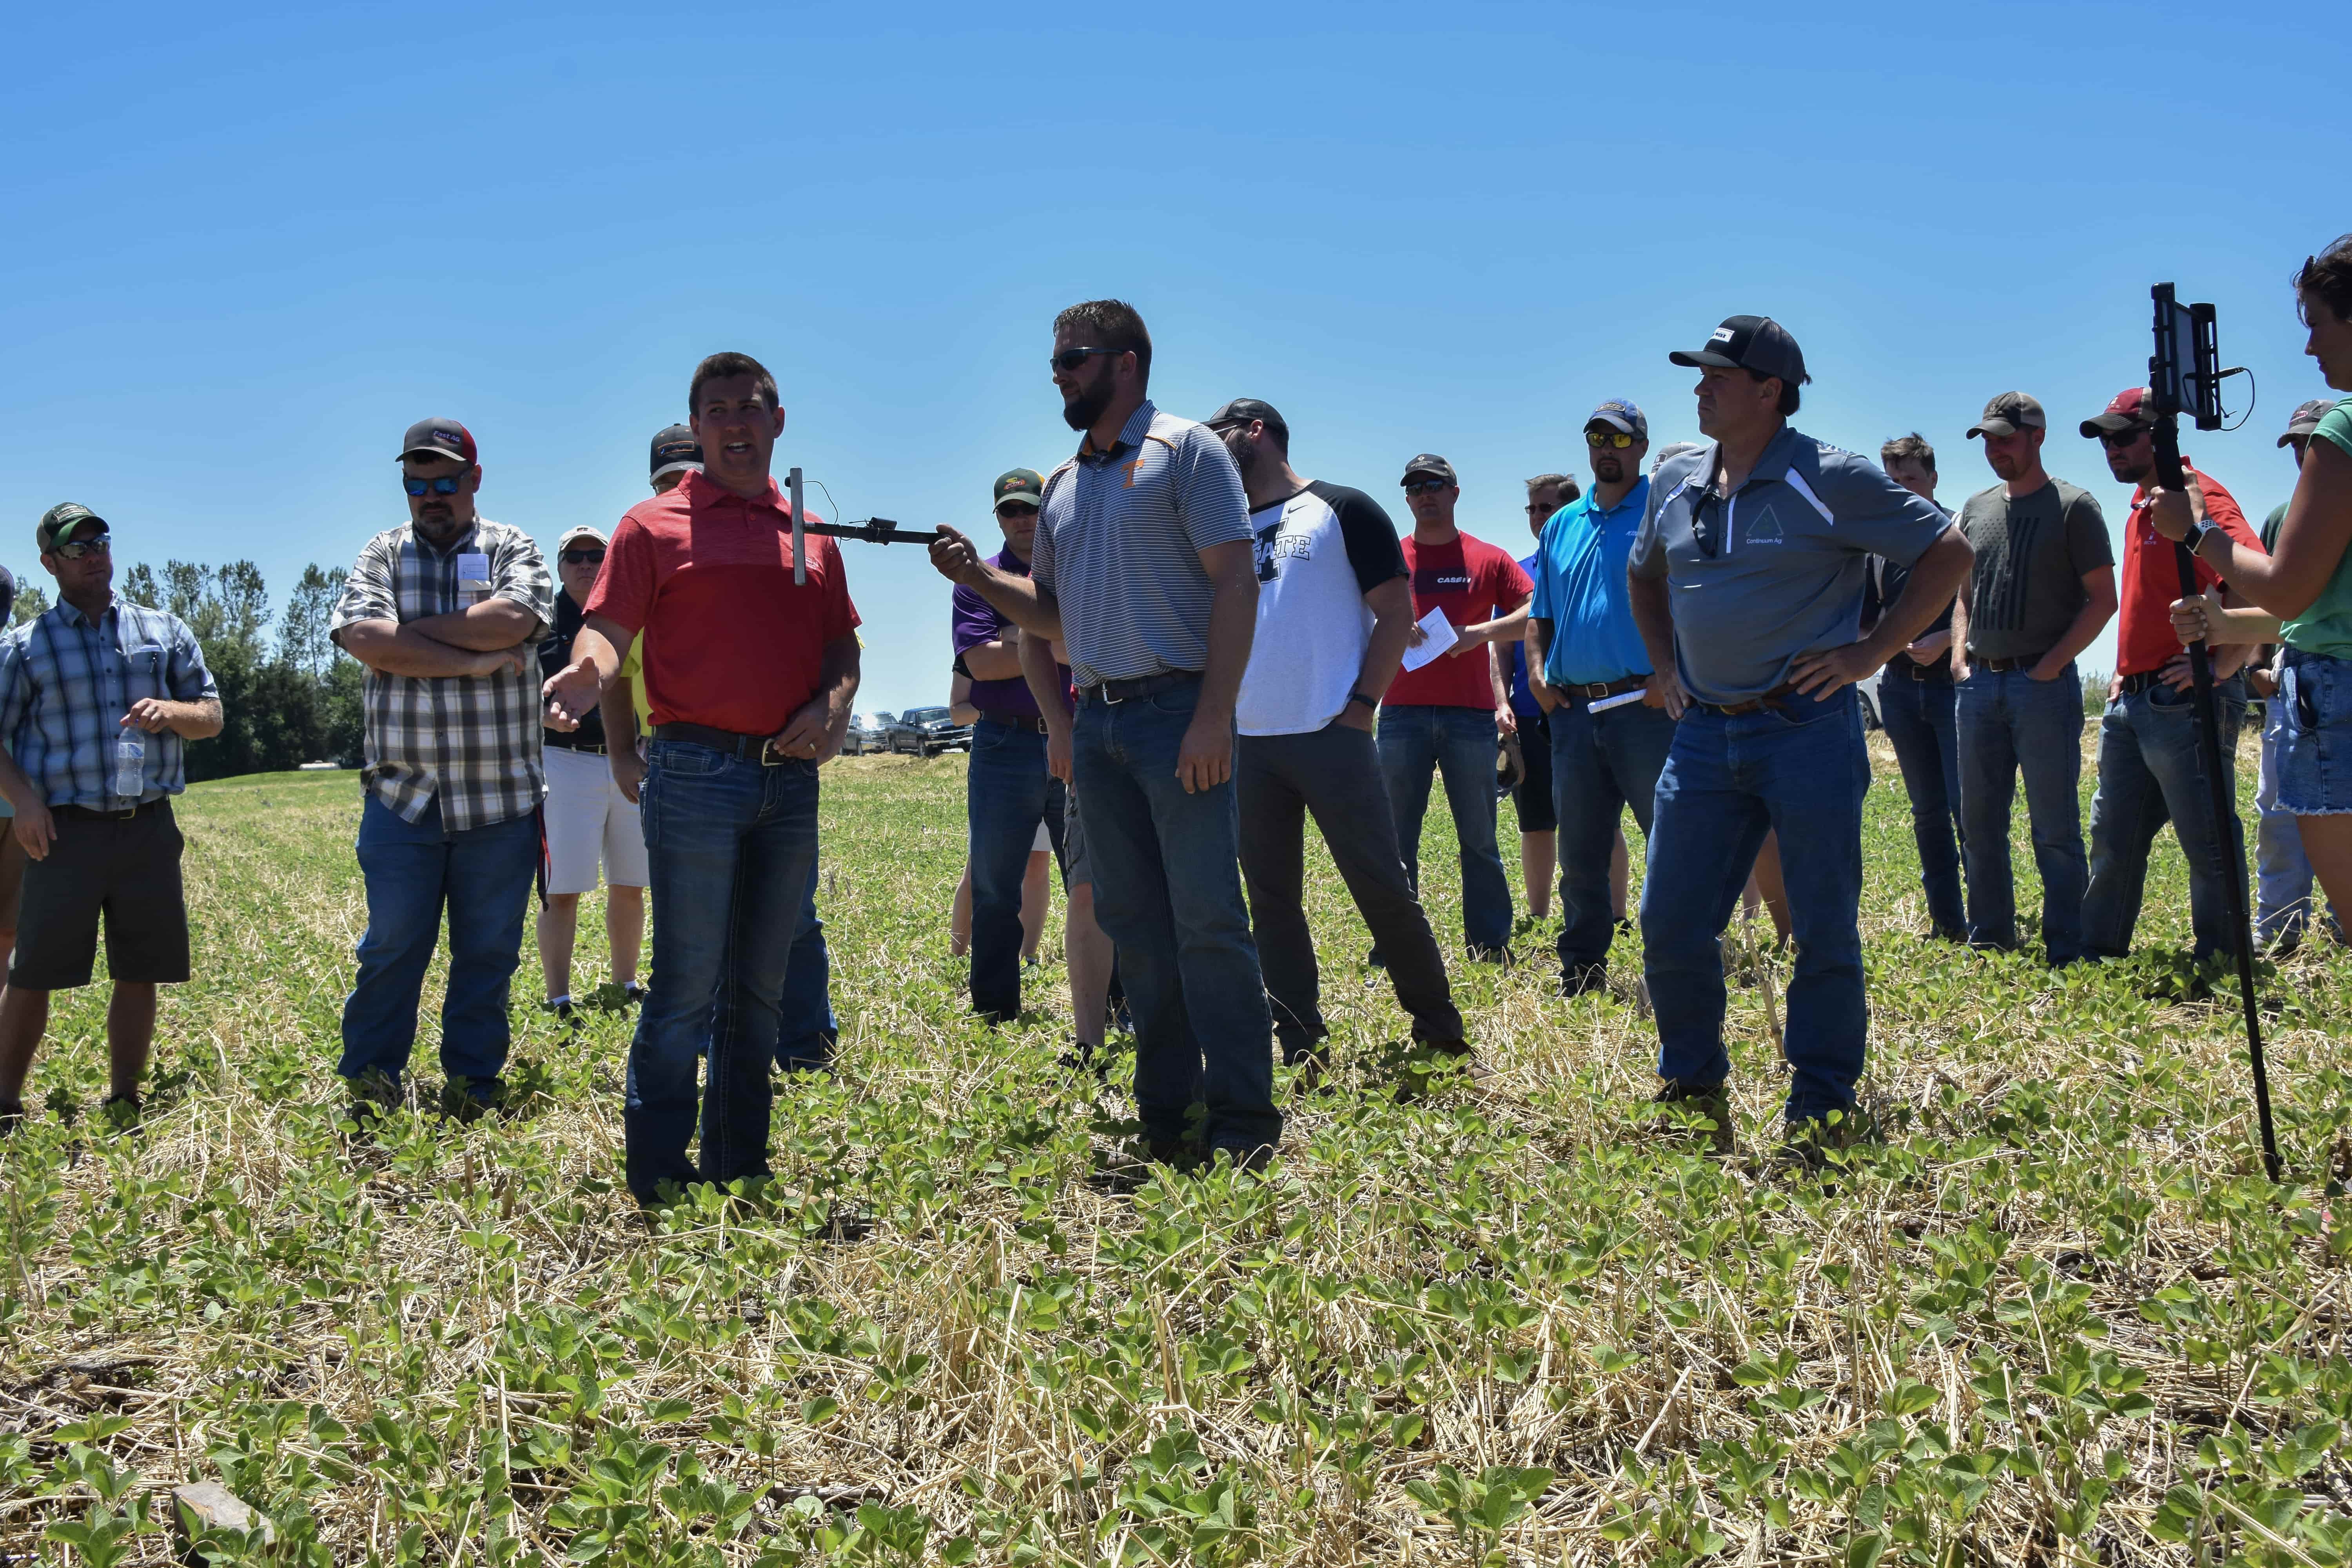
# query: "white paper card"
(1618, 701)
(473, 569)
(1442, 635)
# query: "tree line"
(288, 695)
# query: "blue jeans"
(413, 870)
(2009, 721)
(1007, 792)
(732, 848)
(1167, 893)
(1922, 724)
(1601, 764)
(2152, 771)
(1799, 770)
(1460, 744)
(806, 1029)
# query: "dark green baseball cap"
(59, 523)
(1019, 484)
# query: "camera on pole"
(873, 530)
(2184, 376)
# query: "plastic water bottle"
(130, 764)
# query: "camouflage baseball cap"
(59, 523)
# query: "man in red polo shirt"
(2151, 762)
(750, 677)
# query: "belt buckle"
(1109, 697)
(768, 756)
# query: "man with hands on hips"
(750, 677)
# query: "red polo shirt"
(707, 574)
(2151, 578)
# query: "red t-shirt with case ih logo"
(2151, 577)
(1471, 581)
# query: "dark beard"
(1609, 470)
(1081, 412)
(2138, 475)
(1248, 459)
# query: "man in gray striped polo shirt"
(1143, 569)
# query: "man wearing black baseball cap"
(1746, 580)
(677, 453)
(1008, 791)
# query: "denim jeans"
(733, 846)
(1601, 764)
(806, 1028)
(1333, 772)
(413, 870)
(1460, 744)
(2009, 723)
(2283, 871)
(1167, 893)
(1800, 770)
(2152, 771)
(1923, 726)
(1007, 792)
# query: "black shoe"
(1084, 1057)
(1812, 1143)
(12, 1117)
(633, 995)
(565, 1013)
(1581, 979)
(1685, 1101)
(1254, 1160)
(468, 1100)
(1479, 954)
(120, 1112)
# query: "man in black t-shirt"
(1334, 615)
(588, 819)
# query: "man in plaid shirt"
(445, 612)
(98, 698)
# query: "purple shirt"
(975, 621)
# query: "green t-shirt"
(2326, 627)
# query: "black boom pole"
(2166, 443)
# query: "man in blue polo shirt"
(1746, 580)
(1582, 636)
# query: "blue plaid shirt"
(65, 684)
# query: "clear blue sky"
(247, 246)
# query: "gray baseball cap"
(2306, 417)
(2008, 413)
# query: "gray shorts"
(1077, 868)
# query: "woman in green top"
(2301, 591)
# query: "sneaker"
(565, 1013)
(1683, 1102)
(633, 995)
(1084, 1057)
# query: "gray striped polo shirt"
(1119, 544)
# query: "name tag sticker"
(473, 569)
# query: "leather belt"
(1032, 723)
(2001, 666)
(1753, 704)
(91, 813)
(1117, 692)
(1937, 669)
(2134, 684)
(743, 747)
(1594, 690)
(597, 748)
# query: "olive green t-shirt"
(2033, 554)
(2326, 627)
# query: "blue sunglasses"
(446, 484)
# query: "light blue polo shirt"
(1580, 590)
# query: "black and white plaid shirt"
(471, 739)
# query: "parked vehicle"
(866, 734)
(926, 731)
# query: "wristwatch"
(1371, 702)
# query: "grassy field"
(2057, 1317)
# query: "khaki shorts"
(123, 873)
(589, 820)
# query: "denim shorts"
(2315, 734)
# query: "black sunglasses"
(2115, 439)
(1070, 359)
(1013, 509)
(583, 557)
(1428, 486)
(446, 484)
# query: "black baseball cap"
(1750, 342)
(1430, 463)
(1242, 410)
(2306, 417)
(1021, 485)
(59, 523)
(676, 447)
(437, 438)
(2007, 413)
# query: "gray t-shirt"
(2032, 555)
(1776, 568)
(1120, 537)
